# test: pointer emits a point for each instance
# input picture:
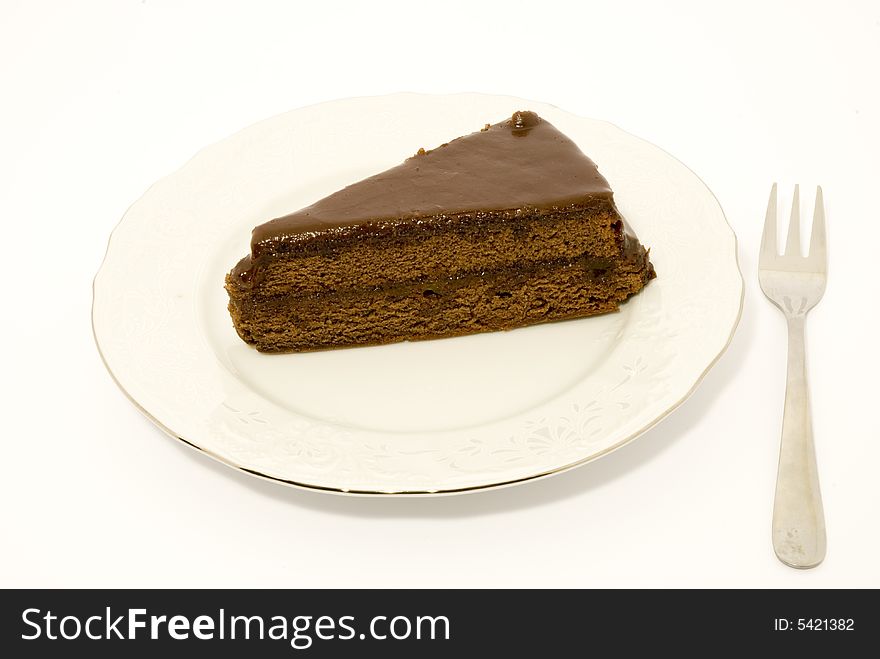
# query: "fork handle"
(798, 517)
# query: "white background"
(99, 99)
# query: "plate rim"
(439, 491)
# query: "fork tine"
(793, 244)
(768, 238)
(817, 235)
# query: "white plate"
(426, 417)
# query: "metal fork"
(795, 284)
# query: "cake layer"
(497, 301)
(441, 247)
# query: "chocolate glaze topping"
(521, 163)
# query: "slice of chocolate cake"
(509, 226)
